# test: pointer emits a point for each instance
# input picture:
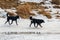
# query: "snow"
(50, 25)
(2, 12)
(37, 1)
(11, 10)
(24, 23)
(31, 37)
(49, 31)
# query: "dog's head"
(43, 21)
(30, 18)
(17, 17)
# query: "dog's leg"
(30, 24)
(5, 22)
(11, 22)
(36, 26)
(16, 22)
(40, 26)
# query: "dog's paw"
(41, 26)
(35, 26)
(16, 24)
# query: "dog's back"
(36, 20)
(12, 17)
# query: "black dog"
(13, 18)
(36, 21)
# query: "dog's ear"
(43, 21)
(31, 18)
(17, 16)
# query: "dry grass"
(57, 16)
(11, 14)
(8, 3)
(24, 11)
(47, 14)
(56, 6)
(56, 2)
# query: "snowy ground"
(50, 26)
(31, 37)
(50, 30)
(22, 31)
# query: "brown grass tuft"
(24, 11)
(47, 14)
(56, 6)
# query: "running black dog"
(13, 18)
(36, 21)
